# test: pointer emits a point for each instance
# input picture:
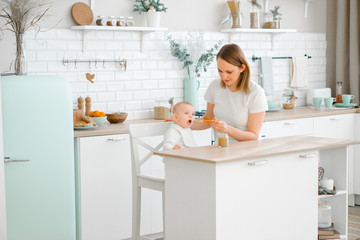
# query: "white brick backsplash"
(153, 72)
(141, 95)
(36, 67)
(133, 85)
(115, 86)
(157, 74)
(133, 105)
(125, 96)
(57, 45)
(106, 97)
(96, 86)
(46, 56)
(116, 107)
(150, 84)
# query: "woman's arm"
(209, 114)
(255, 121)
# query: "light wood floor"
(354, 223)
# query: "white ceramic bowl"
(99, 120)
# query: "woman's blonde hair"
(234, 55)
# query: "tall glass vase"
(20, 59)
(191, 87)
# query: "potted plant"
(195, 60)
(152, 8)
(276, 16)
(19, 16)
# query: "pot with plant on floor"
(19, 16)
(152, 9)
(195, 60)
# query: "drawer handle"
(258, 163)
(289, 123)
(8, 160)
(335, 119)
(115, 139)
(311, 155)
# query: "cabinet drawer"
(336, 126)
(284, 128)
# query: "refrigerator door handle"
(8, 160)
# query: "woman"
(237, 104)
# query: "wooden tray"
(82, 14)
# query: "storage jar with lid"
(254, 14)
(121, 21)
(162, 109)
(111, 21)
(324, 214)
(101, 21)
(130, 21)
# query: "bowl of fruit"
(99, 117)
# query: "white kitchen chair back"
(153, 179)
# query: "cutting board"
(82, 14)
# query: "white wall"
(182, 15)
(153, 72)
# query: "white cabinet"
(263, 198)
(104, 187)
(356, 163)
(283, 128)
(339, 126)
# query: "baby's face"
(185, 116)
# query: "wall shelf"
(142, 30)
(232, 31)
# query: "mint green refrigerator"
(39, 158)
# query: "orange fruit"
(102, 114)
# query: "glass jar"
(121, 21)
(254, 16)
(223, 140)
(324, 214)
(130, 21)
(338, 92)
(101, 21)
(162, 109)
(111, 21)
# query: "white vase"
(153, 19)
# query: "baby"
(179, 134)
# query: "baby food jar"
(223, 140)
(162, 109)
(324, 215)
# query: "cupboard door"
(105, 187)
(356, 162)
(274, 198)
(284, 128)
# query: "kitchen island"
(262, 189)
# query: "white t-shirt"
(234, 107)
(177, 135)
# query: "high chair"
(140, 136)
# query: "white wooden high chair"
(152, 179)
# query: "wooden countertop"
(284, 114)
(256, 149)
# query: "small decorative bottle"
(339, 92)
(223, 140)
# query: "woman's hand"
(219, 126)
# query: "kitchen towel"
(299, 72)
(266, 75)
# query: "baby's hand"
(176, 147)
